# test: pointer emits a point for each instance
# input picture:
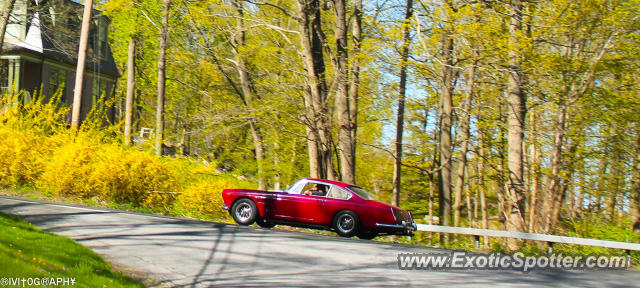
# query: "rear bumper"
(406, 228)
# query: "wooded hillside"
(519, 115)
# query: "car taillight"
(400, 215)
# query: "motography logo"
(463, 260)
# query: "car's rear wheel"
(244, 211)
(346, 223)
(367, 234)
(264, 223)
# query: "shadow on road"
(183, 252)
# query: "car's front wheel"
(244, 211)
(346, 223)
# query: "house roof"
(38, 42)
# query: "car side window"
(315, 189)
(338, 193)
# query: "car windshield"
(362, 193)
(291, 188)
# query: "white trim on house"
(33, 40)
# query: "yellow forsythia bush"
(21, 157)
(126, 175)
(204, 198)
(68, 169)
(85, 168)
(37, 148)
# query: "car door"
(309, 208)
(284, 207)
(298, 207)
(336, 200)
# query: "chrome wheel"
(346, 223)
(244, 211)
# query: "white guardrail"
(550, 239)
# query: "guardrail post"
(628, 258)
(550, 247)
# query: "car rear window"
(362, 193)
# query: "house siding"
(36, 63)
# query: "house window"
(4, 77)
(10, 76)
(98, 45)
(102, 41)
(99, 91)
(57, 81)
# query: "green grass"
(26, 251)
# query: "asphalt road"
(180, 252)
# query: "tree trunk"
(572, 201)
(614, 177)
(317, 114)
(397, 167)
(535, 172)
(82, 59)
(346, 144)
(131, 86)
(553, 182)
(469, 208)
(482, 186)
(464, 146)
(354, 88)
(500, 182)
(446, 110)
(517, 111)
(430, 208)
(636, 187)
(558, 203)
(259, 152)
(164, 34)
(602, 179)
(580, 192)
(572, 93)
(276, 163)
(315, 163)
(4, 19)
(566, 184)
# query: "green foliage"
(597, 227)
(90, 165)
(206, 112)
(25, 251)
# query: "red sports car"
(322, 204)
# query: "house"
(39, 54)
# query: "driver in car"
(317, 190)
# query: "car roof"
(337, 183)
